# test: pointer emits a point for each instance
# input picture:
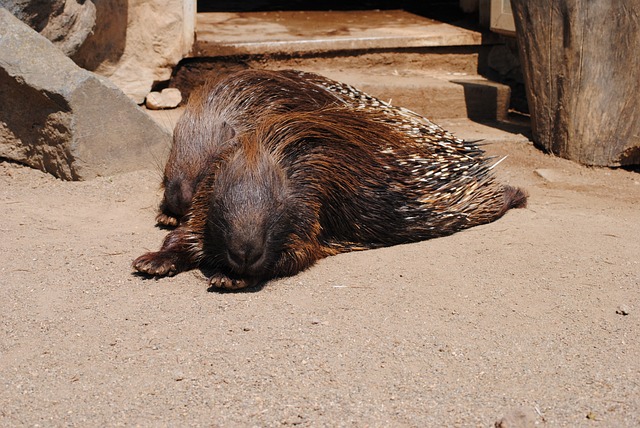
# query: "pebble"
(167, 99)
(622, 310)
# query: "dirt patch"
(522, 316)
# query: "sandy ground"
(531, 320)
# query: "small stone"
(622, 310)
(167, 99)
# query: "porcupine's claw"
(172, 258)
(155, 264)
(166, 220)
(222, 281)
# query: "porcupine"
(303, 185)
(234, 103)
(215, 113)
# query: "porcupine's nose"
(177, 197)
(246, 258)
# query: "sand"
(530, 320)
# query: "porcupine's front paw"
(220, 280)
(167, 220)
(160, 263)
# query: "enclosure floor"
(521, 315)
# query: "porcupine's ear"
(225, 132)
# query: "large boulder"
(134, 43)
(62, 119)
(67, 23)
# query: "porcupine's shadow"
(207, 274)
(247, 290)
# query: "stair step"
(303, 32)
(424, 65)
(433, 95)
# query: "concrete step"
(433, 94)
(303, 32)
(415, 62)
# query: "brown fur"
(303, 185)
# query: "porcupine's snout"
(246, 255)
(247, 220)
(177, 197)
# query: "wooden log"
(581, 64)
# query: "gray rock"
(65, 120)
(66, 23)
(132, 42)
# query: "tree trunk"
(581, 64)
